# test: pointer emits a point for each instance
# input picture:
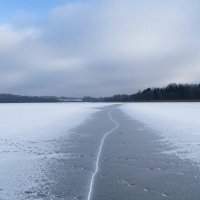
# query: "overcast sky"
(97, 47)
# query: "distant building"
(70, 99)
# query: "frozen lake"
(97, 151)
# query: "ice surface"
(28, 143)
(179, 123)
(42, 121)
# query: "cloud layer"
(100, 47)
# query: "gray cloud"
(101, 48)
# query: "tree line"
(172, 92)
(10, 98)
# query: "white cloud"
(11, 37)
(103, 47)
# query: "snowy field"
(179, 123)
(28, 140)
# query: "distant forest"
(172, 92)
(10, 98)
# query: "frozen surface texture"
(179, 123)
(42, 121)
(30, 135)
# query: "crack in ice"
(99, 154)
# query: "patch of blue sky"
(9, 8)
